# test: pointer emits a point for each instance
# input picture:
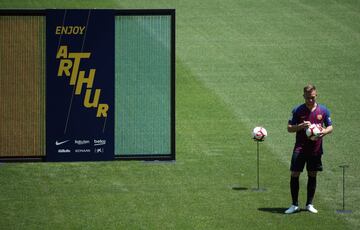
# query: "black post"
(343, 188)
(258, 167)
(343, 204)
(258, 189)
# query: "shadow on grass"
(238, 188)
(273, 210)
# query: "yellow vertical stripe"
(22, 86)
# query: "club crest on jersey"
(319, 117)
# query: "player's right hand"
(305, 124)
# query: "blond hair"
(309, 88)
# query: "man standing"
(307, 151)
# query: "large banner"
(79, 85)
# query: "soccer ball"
(314, 131)
(259, 133)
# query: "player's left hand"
(321, 135)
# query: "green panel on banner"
(142, 85)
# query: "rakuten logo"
(82, 142)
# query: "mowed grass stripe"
(195, 192)
(263, 54)
(186, 194)
(240, 166)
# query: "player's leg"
(313, 165)
(311, 186)
(294, 187)
(297, 166)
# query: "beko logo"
(99, 142)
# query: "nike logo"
(61, 142)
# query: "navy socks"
(294, 188)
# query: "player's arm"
(326, 131)
(295, 124)
(297, 127)
(328, 124)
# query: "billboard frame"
(122, 12)
(165, 12)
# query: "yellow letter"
(89, 81)
(57, 31)
(65, 66)
(75, 69)
(62, 52)
(82, 29)
(102, 110)
(75, 30)
(95, 101)
(64, 29)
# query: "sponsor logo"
(64, 151)
(98, 150)
(61, 142)
(82, 142)
(99, 142)
(82, 150)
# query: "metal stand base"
(258, 189)
(343, 211)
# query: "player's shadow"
(273, 210)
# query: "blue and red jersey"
(301, 113)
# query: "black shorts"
(313, 163)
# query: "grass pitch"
(239, 64)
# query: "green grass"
(239, 64)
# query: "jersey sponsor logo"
(319, 117)
(329, 120)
